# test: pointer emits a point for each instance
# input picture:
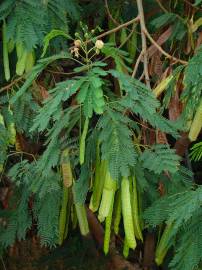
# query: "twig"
(128, 37)
(137, 64)
(142, 76)
(3, 263)
(144, 44)
(195, 7)
(161, 50)
(117, 28)
(161, 40)
(109, 13)
(161, 6)
(62, 73)
(8, 86)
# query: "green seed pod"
(11, 45)
(117, 215)
(63, 215)
(127, 213)
(5, 54)
(196, 124)
(21, 63)
(30, 61)
(83, 141)
(125, 249)
(107, 197)
(108, 222)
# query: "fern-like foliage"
(45, 191)
(189, 246)
(24, 111)
(116, 143)
(163, 159)
(91, 93)
(46, 213)
(19, 220)
(196, 151)
(184, 211)
(178, 25)
(193, 85)
(28, 20)
(37, 69)
(141, 101)
(4, 142)
(121, 58)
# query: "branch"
(161, 6)
(128, 37)
(137, 64)
(160, 41)
(7, 87)
(161, 50)
(144, 43)
(117, 28)
(109, 13)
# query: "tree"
(95, 103)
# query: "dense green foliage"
(65, 89)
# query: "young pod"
(127, 213)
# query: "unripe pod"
(127, 213)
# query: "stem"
(161, 6)
(118, 28)
(7, 87)
(162, 51)
(128, 37)
(144, 43)
(137, 64)
(109, 13)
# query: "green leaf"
(36, 70)
(197, 2)
(53, 34)
(196, 152)
(160, 158)
(163, 20)
(116, 143)
(91, 93)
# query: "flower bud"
(86, 35)
(77, 43)
(99, 44)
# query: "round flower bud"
(77, 43)
(97, 51)
(86, 35)
(99, 44)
